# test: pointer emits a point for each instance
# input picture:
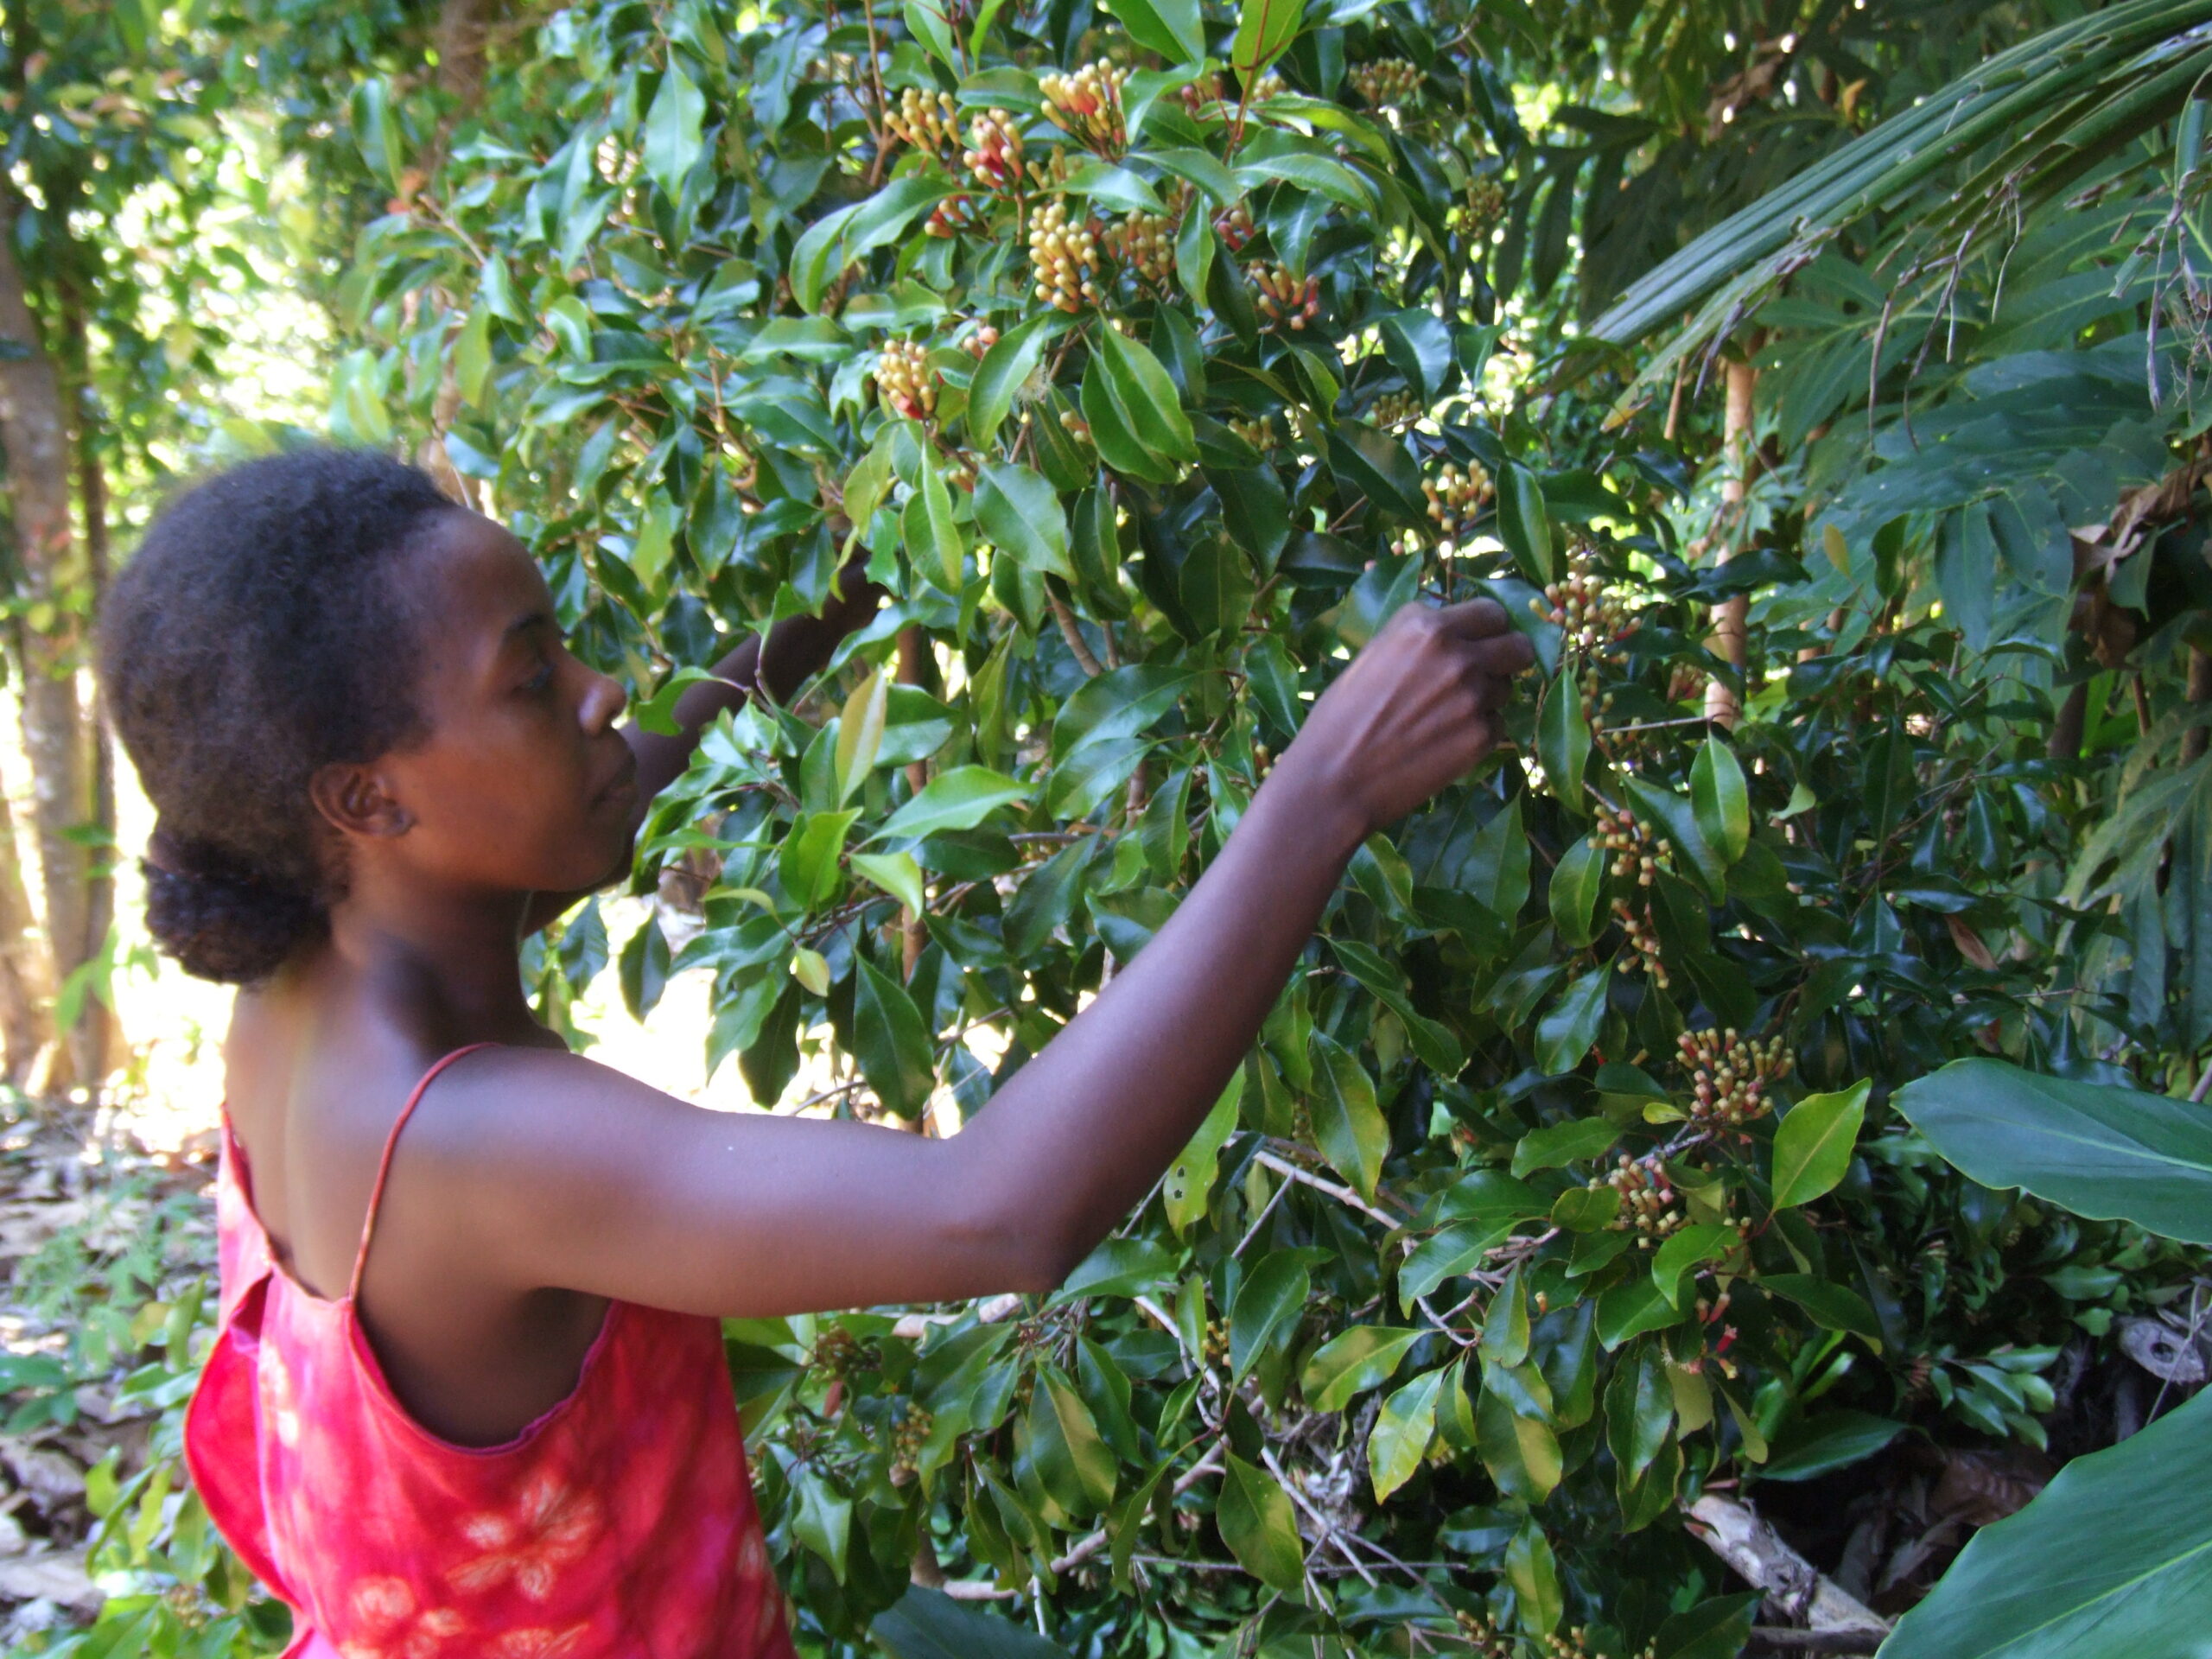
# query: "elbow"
(1023, 1244)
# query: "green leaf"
(1523, 523)
(808, 859)
(1630, 1309)
(1577, 882)
(1419, 345)
(1265, 29)
(2110, 1154)
(672, 140)
(1021, 514)
(860, 733)
(1676, 820)
(926, 1624)
(958, 799)
(1347, 1124)
(835, 240)
(1717, 1628)
(894, 1046)
(897, 873)
(822, 1517)
(1687, 1248)
(1260, 1526)
(1168, 26)
(1072, 1460)
(926, 21)
(1575, 1141)
(1146, 398)
(1505, 1328)
(933, 537)
(1570, 1025)
(1189, 1181)
(1722, 803)
(1834, 1307)
(1496, 874)
(1352, 1362)
(1522, 1454)
(2110, 1561)
(1832, 1440)
(1563, 740)
(1813, 1144)
(1006, 368)
(1533, 1571)
(1270, 1303)
(1403, 1428)
(1376, 465)
(1639, 1409)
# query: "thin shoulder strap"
(384, 1164)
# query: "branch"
(1755, 1552)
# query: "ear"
(355, 801)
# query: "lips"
(623, 786)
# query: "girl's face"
(522, 783)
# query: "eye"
(542, 680)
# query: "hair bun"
(219, 919)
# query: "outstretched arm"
(612, 1188)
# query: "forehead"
(475, 582)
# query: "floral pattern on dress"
(552, 1525)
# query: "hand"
(1417, 709)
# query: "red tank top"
(618, 1525)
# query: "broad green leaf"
(1352, 1362)
(811, 968)
(860, 733)
(1505, 1327)
(1419, 345)
(1639, 1408)
(1523, 524)
(2111, 1559)
(1572, 1143)
(1813, 1144)
(1533, 1571)
(2110, 1154)
(836, 239)
(958, 799)
(1121, 703)
(808, 859)
(1021, 514)
(1006, 368)
(895, 1054)
(1563, 740)
(1376, 465)
(934, 540)
(1496, 874)
(1073, 1461)
(897, 873)
(1577, 881)
(927, 21)
(822, 1517)
(1260, 1525)
(1403, 1428)
(1722, 803)
(1522, 1454)
(672, 140)
(926, 1623)
(1112, 432)
(1146, 397)
(1630, 1309)
(1189, 1181)
(1675, 819)
(1717, 1628)
(1832, 1440)
(1167, 27)
(1270, 1302)
(1347, 1124)
(1570, 1025)
(1834, 1307)
(1686, 1249)
(1265, 29)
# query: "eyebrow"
(524, 623)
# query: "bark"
(1735, 1532)
(26, 984)
(463, 30)
(35, 427)
(102, 1039)
(1723, 706)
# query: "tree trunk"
(1723, 705)
(26, 985)
(463, 28)
(34, 425)
(103, 1040)
(2200, 691)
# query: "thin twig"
(1073, 635)
(1343, 1195)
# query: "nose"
(604, 700)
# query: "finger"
(1476, 618)
(1504, 654)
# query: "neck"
(448, 964)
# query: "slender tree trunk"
(2200, 691)
(103, 1040)
(26, 984)
(34, 425)
(463, 30)
(1723, 705)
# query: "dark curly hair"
(258, 636)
